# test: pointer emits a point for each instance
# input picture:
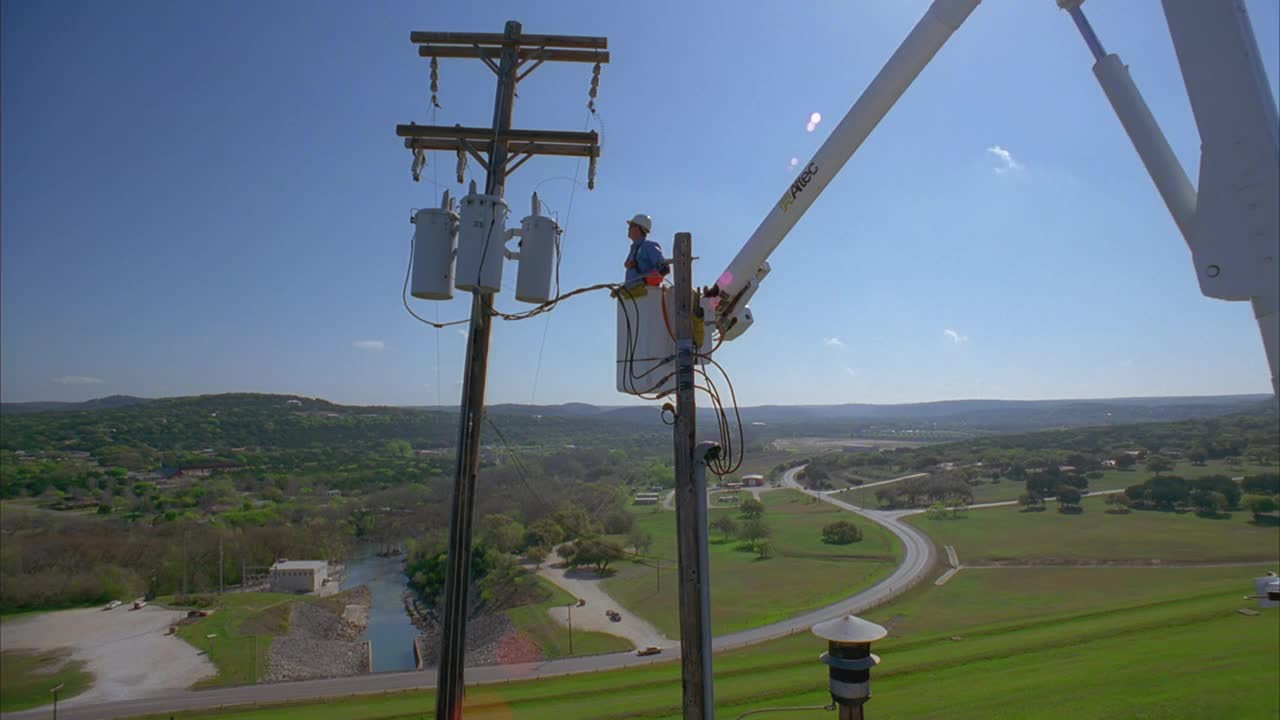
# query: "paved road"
(586, 585)
(916, 561)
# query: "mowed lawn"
(1139, 654)
(746, 591)
(26, 677)
(1008, 534)
(552, 637)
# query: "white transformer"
(435, 247)
(481, 236)
(539, 249)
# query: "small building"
(646, 499)
(299, 576)
(753, 480)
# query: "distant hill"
(103, 403)
(963, 416)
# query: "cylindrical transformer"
(539, 250)
(435, 245)
(481, 236)
(646, 346)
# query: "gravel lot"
(127, 651)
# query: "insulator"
(462, 164)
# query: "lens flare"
(815, 118)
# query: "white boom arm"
(1232, 226)
(739, 281)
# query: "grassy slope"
(244, 624)
(27, 677)
(1150, 656)
(748, 592)
(1007, 533)
(553, 637)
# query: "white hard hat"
(644, 221)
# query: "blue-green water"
(389, 629)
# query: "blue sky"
(209, 197)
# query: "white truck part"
(646, 346)
(924, 41)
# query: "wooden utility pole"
(507, 150)
(691, 503)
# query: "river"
(389, 629)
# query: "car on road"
(613, 615)
(651, 650)
(113, 605)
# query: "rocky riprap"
(323, 639)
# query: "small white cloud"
(956, 337)
(834, 342)
(1005, 162)
(376, 345)
(851, 372)
(461, 333)
(77, 380)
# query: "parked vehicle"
(138, 605)
(113, 605)
(614, 615)
(651, 650)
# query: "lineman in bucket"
(645, 264)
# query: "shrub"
(841, 532)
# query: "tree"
(1125, 461)
(536, 553)
(1220, 484)
(1031, 502)
(568, 552)
(937, 511)
(1157, 464)
(619, 522)
(503, 532)
(764, 549)
(1263, 484)
(754, 530)
(1068, 499)
(1168, 491)
(841, 532)
(597, 553)
(1197, 456)
(544, 532)
(751, 508)
(1119, 503)
(1260, 505)
(640, 539)
(1208, 503)
(725, 523)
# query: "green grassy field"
(1008, 534)
(553, 637)
(749, 592)
(243, 625)
(1139, 653)
(27, 677)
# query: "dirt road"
(127, 651)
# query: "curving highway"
(918, 558)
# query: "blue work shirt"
(647, 258)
